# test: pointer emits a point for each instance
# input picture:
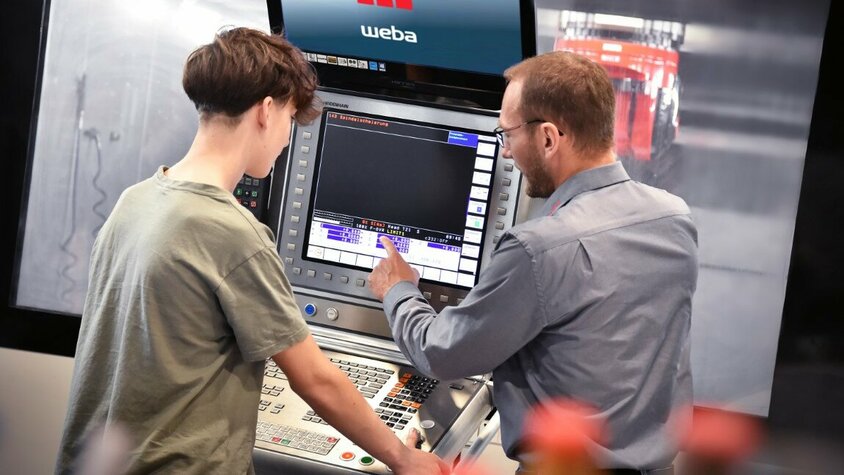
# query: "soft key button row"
(271, 390)
(272, 371)
(312, 416)
(294, 438)
(264, 405)
(368, 379)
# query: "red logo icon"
(403, 4)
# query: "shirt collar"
(587, 180)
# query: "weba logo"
(404, 4)
(391, 33)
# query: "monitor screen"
(471, 35)
(411, 48)
(425, 186)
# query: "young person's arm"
(330, 393)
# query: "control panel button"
(298, 191)
(300, 177)
(367, 460)
(499, 225)
(305, 149)
(288, 260)
(501, 211)
(360, 282)
(291, 246)
(303, 163)
(344, 279)
(310, 309)
(297, 205)
(444, 298)
(294, 219)
(427, 295)
(347, 456)
(293, 233)
(508, 167)
(427, 424)
(332, 313)
(326, 275)
(306, 135)
(506, 182)
(311, 273)
(504, 196)
(297, 270)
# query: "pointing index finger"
(388, 246)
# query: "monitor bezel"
(463, 88)
(318, 160)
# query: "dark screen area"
(397, 179)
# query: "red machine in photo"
(641, 58)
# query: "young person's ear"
(264, 109)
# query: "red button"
(347, 456)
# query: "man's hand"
(419, 462)
(390, 271)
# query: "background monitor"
(455, 50)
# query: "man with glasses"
(591, 301)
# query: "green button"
(367, 460)
(285, 442)
(238, 191)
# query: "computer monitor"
(425, 186)
(453, 50)
(430, 179)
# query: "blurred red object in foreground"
(558, 433)
(717, 440)
(472, 469)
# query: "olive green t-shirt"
(186, 299)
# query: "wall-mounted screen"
(472, 35)
(422, 48)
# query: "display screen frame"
(402, 79)
(318, 161)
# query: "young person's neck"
(217, 157)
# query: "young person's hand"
(390, 271)
(418, 462)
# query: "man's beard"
(539, 182)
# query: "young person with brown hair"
(187, 297)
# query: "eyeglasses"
(500, 134)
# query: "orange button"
(347, 456)
(416, 405)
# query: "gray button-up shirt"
(591, 301)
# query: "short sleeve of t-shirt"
(258, 302)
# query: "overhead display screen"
(480, 36)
